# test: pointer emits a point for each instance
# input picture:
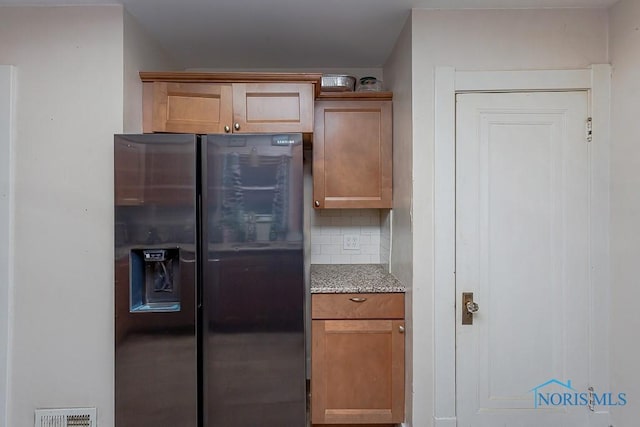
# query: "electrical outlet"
(351, 241)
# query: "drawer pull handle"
(356, 299)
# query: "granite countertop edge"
(353, 278)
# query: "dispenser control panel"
(155, 254)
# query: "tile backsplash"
(329, 228)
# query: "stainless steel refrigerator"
(209, 287)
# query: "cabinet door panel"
(352, 154)
(357, 371)
(191, 107)
(273, 107)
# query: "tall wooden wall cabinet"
(352, 151)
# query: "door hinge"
(589, 130)
(591, 402)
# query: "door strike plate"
(467, 316)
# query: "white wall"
(624, 27)
(141, 53)
(398, 75)
(69, 104)
(7, 119)
(484, 40)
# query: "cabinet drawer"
(357, 306)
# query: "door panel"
(522, 221)
(155, 348)
(253, 281)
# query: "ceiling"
(241, 34)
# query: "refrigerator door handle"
(214, 279)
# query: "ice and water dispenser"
(155, 280)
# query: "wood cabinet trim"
(147, 107)
(318, 381)
(397, 370)
(355, 96)
(242, 77)
(318, 172)
(259, 77)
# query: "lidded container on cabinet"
(337, 83)
(369, 84)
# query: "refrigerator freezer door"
(254, 357)
(156, 379)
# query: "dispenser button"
(155, 255)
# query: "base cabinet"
(357, 374)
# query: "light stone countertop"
(352, 278)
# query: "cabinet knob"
(317, 203)
(401, 329)
(227, 129)
(236, 126)
(358, 299)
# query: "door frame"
(7, 133)
(449, 81)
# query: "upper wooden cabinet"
(228, 102)
(352, 154)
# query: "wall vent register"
(67, 417)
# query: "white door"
(522, 234)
